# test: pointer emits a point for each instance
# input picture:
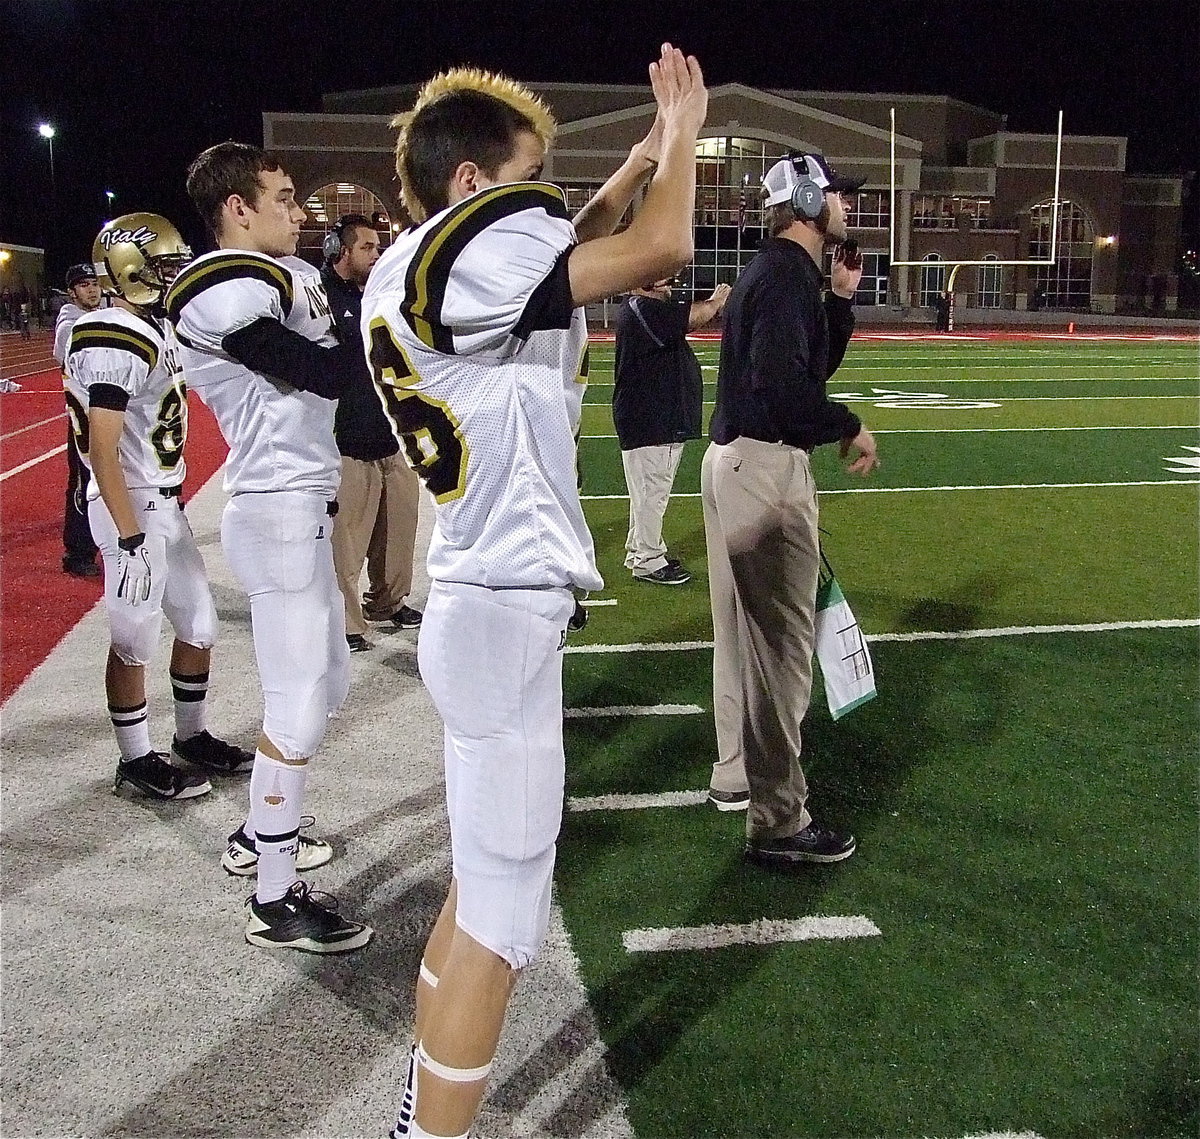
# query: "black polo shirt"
(659, 393)
(781, 342)
(359, 425)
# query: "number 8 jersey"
(130, 364)
(479, 358)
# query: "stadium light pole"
(109, 195)
(47, 132)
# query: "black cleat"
(206, 750)
(299, 921)
(357, 643)
(152, 775)
(80, 567)
(813, 844)
(406, 617)
(241, 854)
(668, 575)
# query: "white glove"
(133, 570)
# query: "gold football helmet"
(138, 256)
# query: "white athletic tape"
(427, 975)
(454, 1075)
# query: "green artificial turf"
(1025, 805)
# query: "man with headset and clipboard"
(782, 340)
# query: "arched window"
(326, 205)
(1068, 282)
(990, 283)
(933, 279)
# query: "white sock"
(408, 1102)
(189, 692)
(276, 796)
(132, 729)
(418, 1132)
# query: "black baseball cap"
(78, 273)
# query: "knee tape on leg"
(454, 1075)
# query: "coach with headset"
(378, 497)
(782, 340)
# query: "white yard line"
(637, 802)
(616, 710)
(764, 932)
(39, 423)
(929, 635)
(600, 600)
(33, 462)
(922, 489)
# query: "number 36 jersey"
(129, 363)
(479, 359)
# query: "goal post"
(954, 266)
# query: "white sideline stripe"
(600, 601)
(927, 635)
(1005, 1135)
(633, 710)
(765, 932)
(637, 802)
(1027, 630)
(39, 423)
(642, 647)
(997, 430)
(33, 462)
(917, 489)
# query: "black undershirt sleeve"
(266, 346)
(108, 396)
(550, 304)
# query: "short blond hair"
(465, 114)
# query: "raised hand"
(679, 90)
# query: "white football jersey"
(480, 362)
(115, 347)
(280, 438)
(67, 316)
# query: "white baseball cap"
(783, 176)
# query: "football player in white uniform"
(128, 405)
(477, 341)
(256, 340)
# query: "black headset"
(808, 199)
(335, 239)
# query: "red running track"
(39, 604)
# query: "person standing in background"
(79, 549)
(378, 499)
(658, 403)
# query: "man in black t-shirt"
(657, 406)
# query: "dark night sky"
(136, 88)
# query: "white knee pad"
(509, 912)
(135, 630)
(295, 720)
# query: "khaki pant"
(649, 475)
(376, 522)
(760, 525)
